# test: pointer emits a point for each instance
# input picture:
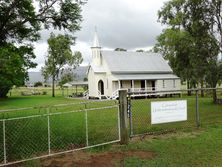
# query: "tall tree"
(192, 17)
(14, 62)
(59, 55)
(213, 15)
(20, 24)
(177, 47)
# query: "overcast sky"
(129, 24)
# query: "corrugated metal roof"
(135, 62)
(66, 85)
(78, 83)
(145, 76)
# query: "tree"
(213, 75)
(85, 79)
(177, 47)
(14, 62)
(65, 78)
(59, 55)
(140, 50)
(20, 23)
(213, 15)
(120, 49)
(191, 17)
(37, 84)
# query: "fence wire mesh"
(1, 143)
(24, 137)
(105, 127)
(197, 106)
(57, 129)
(42, 131)
(141, 118)
(67, 131)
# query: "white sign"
(168, 111)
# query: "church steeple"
(96, 39)
(96, 50)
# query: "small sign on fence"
(168, 111)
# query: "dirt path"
(105, 159)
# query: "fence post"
(86, 122)
(49, 136)
(129, 110)
(124, 139)
(4, 142)
(197, 111)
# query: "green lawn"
(18, 101)
(209, 114)
(29, 137)
(200, 148)
(15, 92)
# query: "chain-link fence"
(30, 133)
(200, 111)
(38, 132)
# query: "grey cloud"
(120, 25)
(128, 24)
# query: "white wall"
(137, 84)
(168, 84)
(126, 84)
(96, 56)
(92, 84)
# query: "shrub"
(38, 84)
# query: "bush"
(38, 84)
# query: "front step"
(104, 97)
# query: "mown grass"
(29, 137)
(18, 101)
(47, 90)
(200, 148)
(141, 115)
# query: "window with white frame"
(163, 83)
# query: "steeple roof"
(96, 40)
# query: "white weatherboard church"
(110, 71)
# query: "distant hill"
(79, 72)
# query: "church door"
(153, 85)
(143, 84)
(101, 87)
